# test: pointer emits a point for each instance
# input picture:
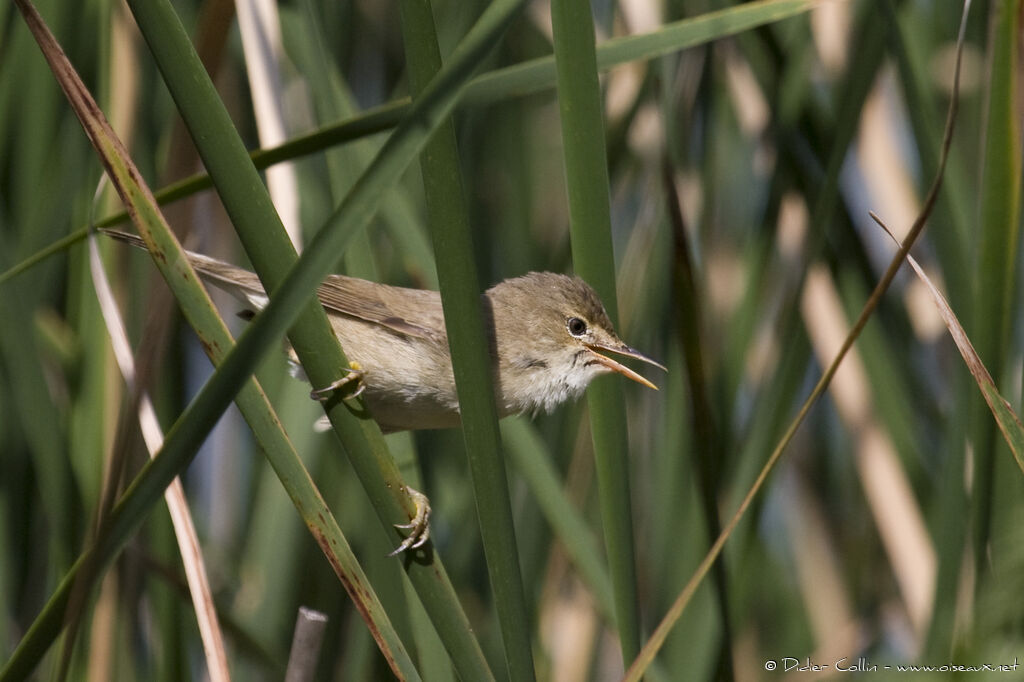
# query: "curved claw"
(419, 526)
(354, 373)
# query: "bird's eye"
(576, 326)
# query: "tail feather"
(238, 282)
(125, 237)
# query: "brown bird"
(549, 336)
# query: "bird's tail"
(238, 282)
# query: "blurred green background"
(741, 170)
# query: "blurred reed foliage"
(741, 171)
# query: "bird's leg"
(419, 527)
(353, 373)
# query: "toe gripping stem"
(353, 373)
(419, 527)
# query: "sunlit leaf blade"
(181, 516)
(1008, 421)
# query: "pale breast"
(409, 381)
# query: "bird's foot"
(419, 527)
(353, 373)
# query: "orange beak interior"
(616, 366)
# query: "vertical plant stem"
(579, 101)
(471, 363)
(997, 252)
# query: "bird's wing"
(413, 312)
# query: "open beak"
(619, 367)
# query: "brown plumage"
(544, 329)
